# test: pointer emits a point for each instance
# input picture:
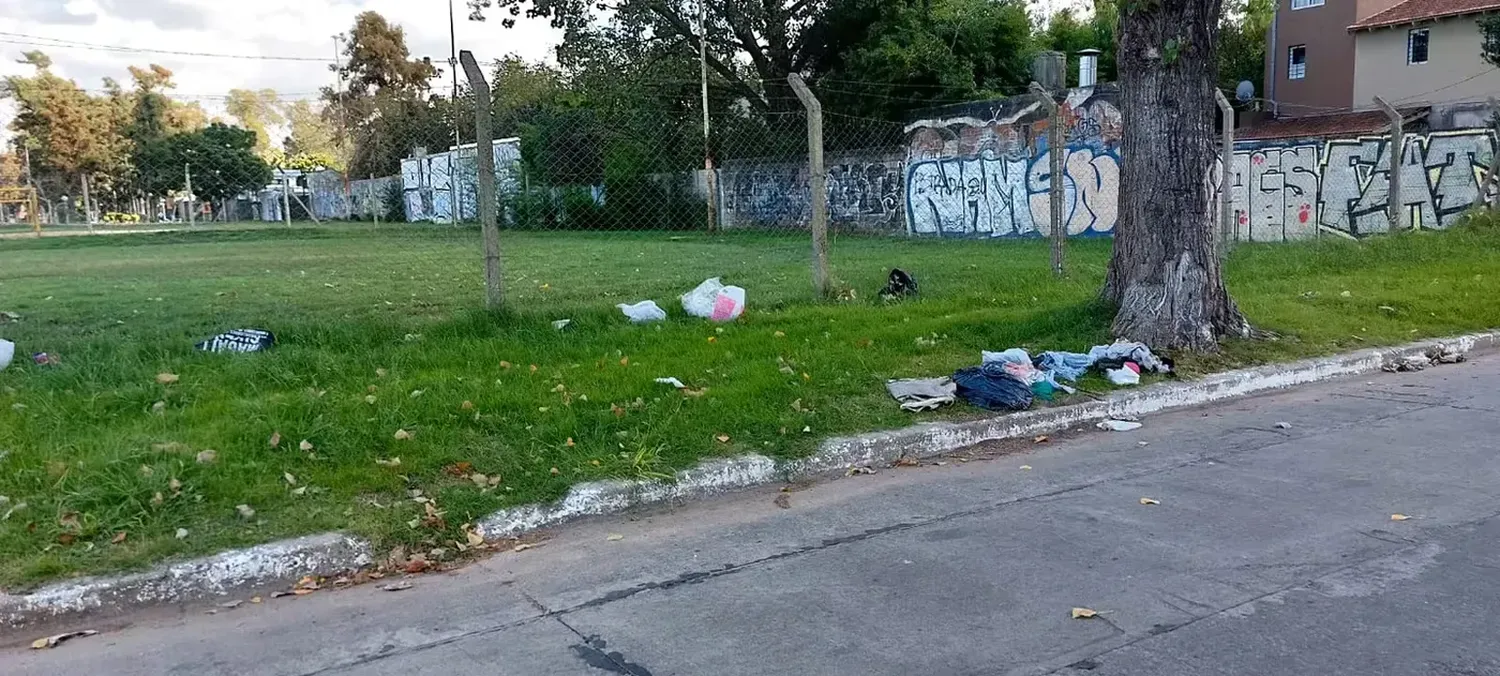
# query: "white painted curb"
(331, 553)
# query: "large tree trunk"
(1164, 274)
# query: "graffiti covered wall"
(1292, 189)
(864, 193)
(982, 170)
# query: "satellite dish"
(1244, 91)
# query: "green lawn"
(393, 313)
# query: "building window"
(1416, 45)
(1296, 65)
(1304, 4)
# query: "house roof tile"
(1412, 11)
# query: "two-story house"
(1332, 56)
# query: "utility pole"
(453, 201)
(708, 160)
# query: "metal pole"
(374, 205)
(1394, 208)
(454, 203)
(286, 199)
(1055, 151)
(708, 161)
(494, 295)
(187, 174)
(817, 185)
(1226, 159)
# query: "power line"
(58, 43)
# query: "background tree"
(1242, 43)
(222, 159)
(311, 134)
(1164, 274)
(256, 111)
(1068, 33)
(384, 112)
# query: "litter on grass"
(922, 394)
(673, 382)
(644, 312)
(714, 301)
(561, 324)
(993, 388)
(7, 353)
(900, 284)
(239, 340)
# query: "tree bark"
(1164, 275)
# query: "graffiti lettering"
(1285, 192)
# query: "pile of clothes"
(1013, 379)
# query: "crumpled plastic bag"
(714, 301)
(644, 312)
(7, 353)
(239, 340)
(1123, 376)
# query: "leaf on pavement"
(1399, 517)
(523, 547)
(1084, 613)
(1039, 439)
(396, 586)
(1150, 501)
(783, 501)
(1026, 467)
(52, 641)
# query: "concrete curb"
(217, 575)
(330, 553)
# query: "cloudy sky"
(244, 28)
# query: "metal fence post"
(187, 176)
(1482, 196)
(817, 184)
(484, 156)
(1226, 160)
(1398, 144)
(1055, 152)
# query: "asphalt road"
(1272, 551)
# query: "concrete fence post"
(1058, 233)
(1393, 207)
(187, 177)
(484, 156)
(817, 184)
(1226, 162)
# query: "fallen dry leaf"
(246, 511)
(853, 471)
(569, 442)
(523, 547)
(182, 533)
(624, 361)
(305, 445)
(723, 438)
(1399, 517)
(783, 501)
(380, 373)
(1084, 613)
(255, 599)
(505, 364)
(533, 368)
(402, 435)
(119, 537)
(175, 485)
(166, 378)
(290, 480)
(370, 399)
(275, 439)
(467, 405)
(1025, 466)
(1042, 439)
(207, 456)
(1150, 501)
(159, 408)
(615, 537)
(479, 479)
(779, 334)
(556, 471)
(393, 462)
(908, 461)
(280, 594)
(396, 586)
(232, 604)
(52, 641)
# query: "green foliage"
(1067, 33)
(394, 201)
(221, 159)
(1489, 47)
(1242, 43)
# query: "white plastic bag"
(1123, 376)
(7, 352)
(644, 312)
(1118, 425)
(712, 300)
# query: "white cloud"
(301, 28)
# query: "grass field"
(381, 331)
